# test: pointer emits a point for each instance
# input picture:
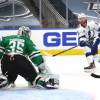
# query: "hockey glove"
(89, 44)
(82, 43)
(86, 43)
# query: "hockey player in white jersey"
(89, 39)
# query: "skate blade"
(89, 70)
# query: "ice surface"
(75, 84)
(43, 95)
(72, 75)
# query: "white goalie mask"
(25, 31)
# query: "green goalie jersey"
(16, 44)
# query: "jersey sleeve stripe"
(34, 54)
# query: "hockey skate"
(90, 68)
(8, 86)
(11, 85)
(4, 83)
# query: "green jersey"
(16, 44)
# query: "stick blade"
(95, 75)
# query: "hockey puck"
(95, 75)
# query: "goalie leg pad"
(46, 81)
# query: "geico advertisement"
(55, 39)
(51, 41)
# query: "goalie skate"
(52, 84)
(4, 84)
(3, 81)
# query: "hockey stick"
(67, 49)
(95, 75)
(64, 51)
(47, 54)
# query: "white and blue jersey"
(88, 38)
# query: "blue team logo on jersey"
(55, 39)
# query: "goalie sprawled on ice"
(15, 52)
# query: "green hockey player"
(18, 56)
